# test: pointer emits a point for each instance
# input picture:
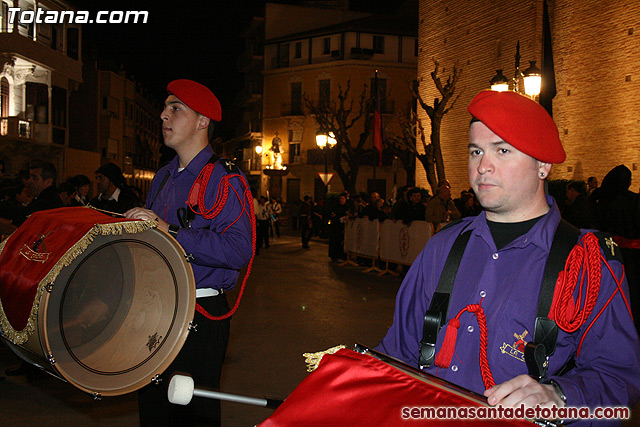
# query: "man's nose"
(485, 165)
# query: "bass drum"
(117, 316)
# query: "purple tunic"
(607, 372)
(218, 256)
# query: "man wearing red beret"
(217, 237)
(468, 308)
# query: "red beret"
(197, 97)
(521, 122)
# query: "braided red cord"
(485, 370)
(443, 359)
(221, 199)
(583, 259)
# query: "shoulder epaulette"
(609, 246)
(229, 166)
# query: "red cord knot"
(474, 308)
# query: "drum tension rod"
(156, 379)
(193, 327)
(96, 395)
(49, 287)
(51, 359)
(189, 257)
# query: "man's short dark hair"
(80, 180)
(66, 187)
(48, 169)
(591, 179)
(211, 131)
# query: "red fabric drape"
(353, 389)
(34, 249)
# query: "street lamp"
(532, 78)
(499, 82)
(325, 141)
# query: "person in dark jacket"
(617, 211)
(115, 195)
(337, 219)
(42, 183)
(576, 210)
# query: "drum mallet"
(182, 390)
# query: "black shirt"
(506, 232)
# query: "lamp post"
(532, 78)
(325, 141)
(259, 157)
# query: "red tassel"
(443, 359)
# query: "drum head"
(119, 314)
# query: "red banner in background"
(377, 122)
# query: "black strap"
(164, 181)
(436, 315)
(545, 332)
(564, 240)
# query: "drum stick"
(182, 389)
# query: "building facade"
(117, 119)
(40, 66)
(596, 57)
(322, 54)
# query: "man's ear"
(203, 122)
(544, 169)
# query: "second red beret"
(197, 97)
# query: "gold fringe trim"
(313, 359)
(117, 228)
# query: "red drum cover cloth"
(353, 389)
(33, 250)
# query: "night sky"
(195, 40)
(198, 40)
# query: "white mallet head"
(180, 390)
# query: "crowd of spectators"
(36, 188)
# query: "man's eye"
(475, 152)
(503, 150)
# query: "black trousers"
(201, 357)
(262, 233)
(306, 231)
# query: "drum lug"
(49, 287)
(156, 379)
(51, 359)
(96, 395)
(189, 257)
(193, 327)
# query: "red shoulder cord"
(584, 258)
(197, 193)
